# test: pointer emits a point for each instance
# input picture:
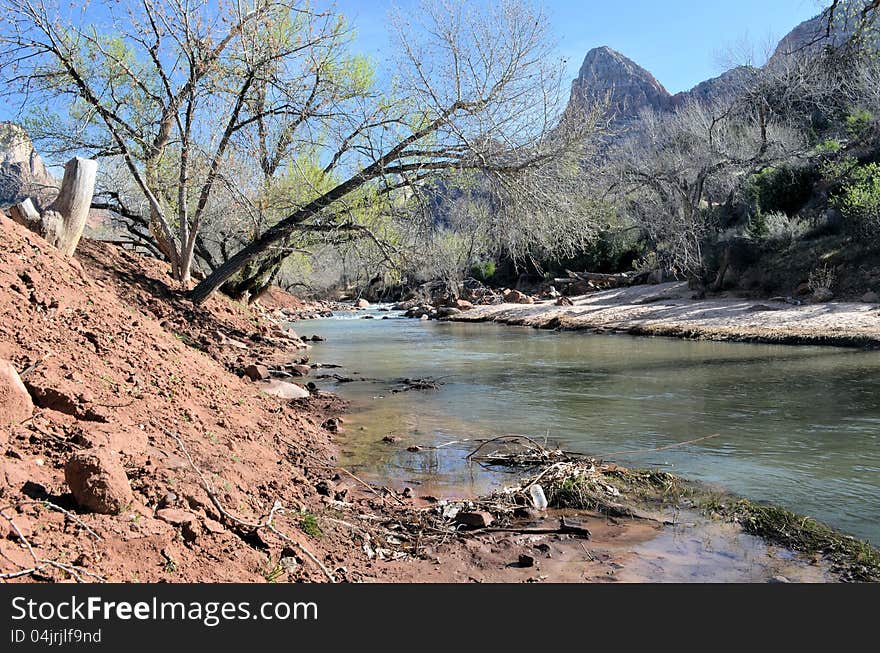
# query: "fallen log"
(565, 528)
(614, 280)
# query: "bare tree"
(477, 88)
(163, 85)
(679, 168)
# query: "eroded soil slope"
(115, 362)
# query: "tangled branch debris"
(38, 563)
(517, 451)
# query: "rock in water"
(98, 481)
(16, 404)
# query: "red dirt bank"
(116, 361)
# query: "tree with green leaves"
(175, 90)
(476, 88)
(259, 122)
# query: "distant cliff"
(630, 88)
(22, 172)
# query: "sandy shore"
(668, 310)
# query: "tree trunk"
(256, 278)
(62, 223)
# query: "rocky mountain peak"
(629, 87)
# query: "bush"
(822, 277)
(781, 190)
(858, 200)
(828, 146)
(484, 271)
(777, 227)
(858, 122)
(610, 251)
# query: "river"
(797, 426)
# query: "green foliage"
(309, 525)
(858, 198)
(858, 122)
(828, 146)
(484, 271)
(781, 190)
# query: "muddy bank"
(141, 448)
(668, 310)
(606, 523)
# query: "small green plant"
(828, 146)
(308, 523)
(484, 271)
(858, 123)
(272, 573)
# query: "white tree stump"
(63, 221)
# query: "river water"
(797, 426)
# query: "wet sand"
(693, 550)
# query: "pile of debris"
(406, 385)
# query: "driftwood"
(63, 221)
(565, 528)
(598, 278)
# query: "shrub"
(781, 190)
(823, 277)
(858, 122)
(858, 200)
(829, 146)
(777, 227)
(484, 271)
(612, 250)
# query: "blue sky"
(679, 41)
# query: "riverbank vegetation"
(260, 147)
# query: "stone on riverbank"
(15, 401)
(98, 481)
(285, 390)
